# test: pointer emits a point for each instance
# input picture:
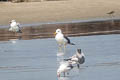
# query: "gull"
(64, 68)
(61, 39)
(14, 26)
(78, 58)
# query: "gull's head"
(12, 21)
(79, 51)
(58, 31)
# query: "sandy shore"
(49, 11)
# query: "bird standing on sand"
(61, 39)
(64, 68)
(111, 12)
(14, 26)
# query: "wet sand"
(50, 11)
(73, 28)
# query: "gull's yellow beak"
(55, 33)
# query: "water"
(37, 59)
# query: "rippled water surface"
(37, 59)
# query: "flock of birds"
(69, 63)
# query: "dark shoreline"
(73, 28)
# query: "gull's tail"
(19, 31)
(68, 40)
(67, 59)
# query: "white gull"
(14, 26)
(61, 39)
(78, 58)
(64, 68)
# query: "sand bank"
(50, 11)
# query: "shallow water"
(37, 59)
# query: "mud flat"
(52, 11)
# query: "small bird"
(78, 58)
(14, 26)
(61, 39)
(64, 68)
(111, 12)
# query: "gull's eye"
(58, 31)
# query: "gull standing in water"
(14, 26)
(78, 58)
(64, 68)
(61, 39)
